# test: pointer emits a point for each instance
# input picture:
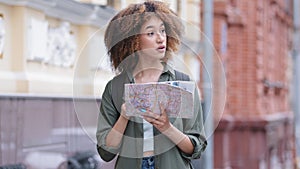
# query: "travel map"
(177, 97)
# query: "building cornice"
(68, 10)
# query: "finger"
(149, 119)
(123, 111)
(162, 110)
(153, 121)
(123, 107)
(152, 115)
(157, 123)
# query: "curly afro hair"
(122, 33)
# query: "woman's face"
(153, 39)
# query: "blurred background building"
(53, 69)
(254, 40)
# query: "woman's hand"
(123, 111)
(115, 136)
(161, 122)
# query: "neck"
(144, 73)
(149, 63)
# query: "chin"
(154, 54)
(162, 57)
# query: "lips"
(161, 48)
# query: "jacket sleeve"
(108, 116)
(194, 129)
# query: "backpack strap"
(181, 76)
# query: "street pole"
(296, 75)
(208, 159)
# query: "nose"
(160, 37)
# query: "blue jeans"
(148, 163)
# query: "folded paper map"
(176, 97)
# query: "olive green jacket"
(130, 151)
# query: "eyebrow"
(150, 26)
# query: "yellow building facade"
(47, 46)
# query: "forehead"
(152, 22)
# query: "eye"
(163, 31)
(150, 33)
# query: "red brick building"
(253, 38)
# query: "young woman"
(140, 39)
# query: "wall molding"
(69, 10)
